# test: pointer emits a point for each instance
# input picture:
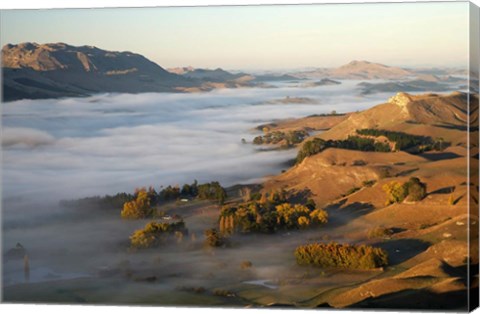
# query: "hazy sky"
(260, 37)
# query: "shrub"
(246, 264)
(384, 173)
(352, 190)
(213, 238)
(379, 232)
(369, 183)
(341, 256)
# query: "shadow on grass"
(339, 215)
(419, 300)
(402, 249)
(439, 156)
(445, 190)
(300, 197)
(406, 172)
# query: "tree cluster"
(341, 256)
(142, 204)
(101, 202)
(205, 191)
(271, 213)
(318, 145)
(404, 141)
(412, 190)
(156, 233)
(212, 191)
(288, 139)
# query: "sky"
(259, 37)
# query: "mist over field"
(64, 149)
(77, 147)
(69, 148)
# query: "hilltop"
(427, 115)
(368, 70)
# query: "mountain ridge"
(33, 71)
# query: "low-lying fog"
(77, 147)
(104, 144)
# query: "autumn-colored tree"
(142, 239)
(221, 225)
(396, 192)
(139, 207)
(263, 198)
(288, 214)
(319, 216)
(303, 221)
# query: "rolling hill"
(428, 246)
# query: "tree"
(319, 216)
(303, 222)
(417, 190)
(396, 192)
(311, 204)
(139, 207)
(186, 190)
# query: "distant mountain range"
(35, 71)
(361, 70)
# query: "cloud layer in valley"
(77, 147)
